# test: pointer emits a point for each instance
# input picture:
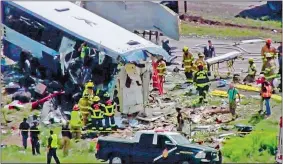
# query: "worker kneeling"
(109, 112)
(84, 105)
(97, 114)
(250, 78)
(76, 123)
(202, 82)
(188, 60)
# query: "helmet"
(200, 54)
(106, 95)
(95, 99)
(268, 55)
(76, 107)
(89, 84)
(200, 66)
(85, 95)
(185, 49)
(251, 60)
(268, 41)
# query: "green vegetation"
(259, 146)
(218, 31)
(250, 22)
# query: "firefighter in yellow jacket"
(188, 61)
(89, 89)
(97, 114)
(201, 61)
(250, 78)
(76, 123)
(109, 112)
(161, 72)
(84, 106)
(269, 71)
(202, 82)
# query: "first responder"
(269, 71)
(201, 61)
(52, 148)
(266, 93)
(250, 78)
(202, 82)
(267, 48)
(76, 123)
(89, 89)
(84, 106)
(109, 111)
(84, 49)
(188, 60)
(161, 72)
(97, 114)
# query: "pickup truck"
(150, 146)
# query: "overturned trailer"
(46, 42)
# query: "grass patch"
(217, 31)
(259, 146)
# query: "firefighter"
(267, 49)
(201, 61)
(109, 111)
(269, 71)
(188, 60)
(155, 84)
(84, 106)
(97, 114)
(201, 81)
(250, 78)
(76, 123)
(89, 89)
(161, 71)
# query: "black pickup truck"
(154, 147)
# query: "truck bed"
(114, 139)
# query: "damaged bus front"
(47, 41)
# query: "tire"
(184, 162)
(116, 159)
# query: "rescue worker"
(84, 49)
(96, 114)
(155, 84)
(201, 61)
(269, 71)
(250, 78)
(52, 148)
(76, 123)
(188, 60)
(202, 82)
(89, 89)
(266, 92)
(161, 71)
(180, 119)
(84, 106)
(109, 112)
(267, 49)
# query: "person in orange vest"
(154, 74)
(161, 69)
(188, 60)
(266, 92)
(267, 48)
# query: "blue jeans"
(280, 60)
(25, 140)
(267, 106)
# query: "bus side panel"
(11, 51)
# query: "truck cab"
(155, 147)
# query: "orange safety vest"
(268, 92)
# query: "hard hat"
(251, 60)
(106, 95)
(185, 49)
(76, 107)
(200, 54)
(96, 99)
(85, 95)
(200, 65)
(268, 41)
(268, 55)
(89, 84)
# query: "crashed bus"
(44, 37)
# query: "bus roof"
(89, 27)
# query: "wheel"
(184, 162)
(116, 159)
